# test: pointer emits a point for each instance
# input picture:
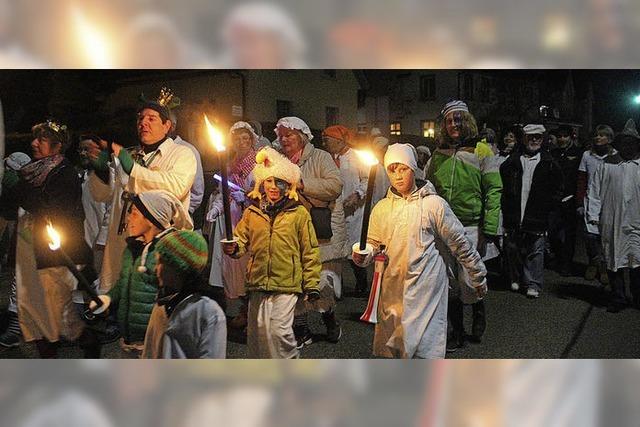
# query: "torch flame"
(94, 43)
(214, 135)
(54, 238)
(367, 157)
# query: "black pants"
(562, 235)
(616, 278)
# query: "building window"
(331, 115)
(467, 88)
(395, 128)
(283, 108)
(429, 128)
(428, 87)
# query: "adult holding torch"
(413, 224)
(320, 192)
(49, 191)
(226, 272)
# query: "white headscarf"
(401, 153)
(294, 123)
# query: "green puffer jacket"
(285, 256)
(470, 182)
(135, 292)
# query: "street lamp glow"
(636, 99)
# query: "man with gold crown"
(157, 163)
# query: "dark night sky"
(26, 95)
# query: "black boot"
(455, 339)
(301, 330)
(11, 337)
(479, 321)
(46, 349)
(90, 344)
(334, 331)
(362, 284)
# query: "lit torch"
(94, 44)
(369, 159)
(217, 139)
(55, 244)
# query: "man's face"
(290, 140)
(44, 147)
(563, 139)
(272, 191)
(83, 151)
(534, 142)
(151, 128)
(137, 224)
(401, 177)
(453, 124)
(333, 145)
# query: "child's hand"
(229, 248)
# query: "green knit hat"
(184, 250)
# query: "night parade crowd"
(130, 265)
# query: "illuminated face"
(43, 147)
(151, 128)
(601, 139)
(274, 194)
(290, 140)
(401, 178)
(242, 142)
(333, 145)
(453, 124)
(534, 142)
(137, 224)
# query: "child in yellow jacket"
(284, 256)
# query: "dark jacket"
(569, 160)
(544, 196)
(58, 200)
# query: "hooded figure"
(419, 230)
(613, 203)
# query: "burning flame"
(94, 43)
(54, 238)
(367, 157)
(214, 135)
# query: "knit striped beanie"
(184, 250)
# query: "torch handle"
(367, 208)
(225, 198)
(82, 281)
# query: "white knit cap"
(17, 160)
(164, 209)
(533, 130)
(455, 105)
(270, 163)
(423, 149)
(294, 123)
(401, 153)
(246, 126)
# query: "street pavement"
(568, 320)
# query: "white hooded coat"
(412, 315)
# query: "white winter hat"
(455, 105)
(17, 160)
(163, 209)
(401, 153)
(244, 126)
(270, 163)
(294, 123)
(424, 150)
(534, 130)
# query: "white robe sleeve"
(176, 179)
(592, 201)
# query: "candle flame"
(214, 135)
(367, 157)
(94, 43)
(54, 238)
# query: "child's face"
(402, 178)
(168, 279)
(274, 194)
(137, 224)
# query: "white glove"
(213, 214)
(238, 196)
(361, 258)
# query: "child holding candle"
(284, 261)
(418, 228)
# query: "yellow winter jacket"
(284, 253)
